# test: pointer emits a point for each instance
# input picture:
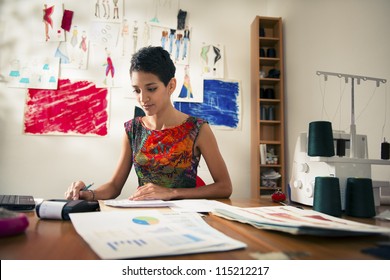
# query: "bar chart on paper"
(137, 234)
(129, 243)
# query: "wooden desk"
(58, 240)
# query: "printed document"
(297, 221)
(148, 233)
(126, 203)
(181, 205)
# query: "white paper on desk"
(139, 234)
(385, 215)
(195, 205)
(126, 203)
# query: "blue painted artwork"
(220, 105)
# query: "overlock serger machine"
(305, 168)
(350, 160)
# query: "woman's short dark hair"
(154, 60)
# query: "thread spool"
(262, 93)
(320, 141)
(269, 93)
(263, 113)
(327, 197)
(359, 198)
(271, 52)
(385, 150)
(340, 147)
(271, 113)
(262, 32)
(262, 52)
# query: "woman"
(165, 146)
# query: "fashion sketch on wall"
(176, 42)
(52, 13)
(33, 72)
(212, 58)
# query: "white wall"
(345, 36)
(339, 36)
(46, 165)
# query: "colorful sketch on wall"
(186, 92)
(212, 59)
(107, 10)
(176, 42)
(74, 52)
(77, 108)
(189, 87)
(104, 66)
(36, 72)
(52, 14)
(221, 105)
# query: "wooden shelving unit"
(267, 128)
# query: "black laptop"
(17, 202)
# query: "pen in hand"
(87, 187)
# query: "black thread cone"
(320, 141)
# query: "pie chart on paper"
(145, 220)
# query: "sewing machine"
(351, 159)
(342, 166)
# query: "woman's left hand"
(152, 191)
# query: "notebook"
(17, 202)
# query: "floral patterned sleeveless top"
(165, 157)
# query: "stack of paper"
(297, 221)
(149, 233)
(182, 205)
(126, 203)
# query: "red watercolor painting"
(77, 108)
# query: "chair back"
(199, 182)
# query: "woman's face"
(151, 93)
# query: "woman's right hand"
(75, 192)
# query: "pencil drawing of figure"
(125, 35)
(74, 40)
(116, 9)
(106, 7)
(135, 36)
(146, 35)
(97, 9)
(47, 20)
(83, 43)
